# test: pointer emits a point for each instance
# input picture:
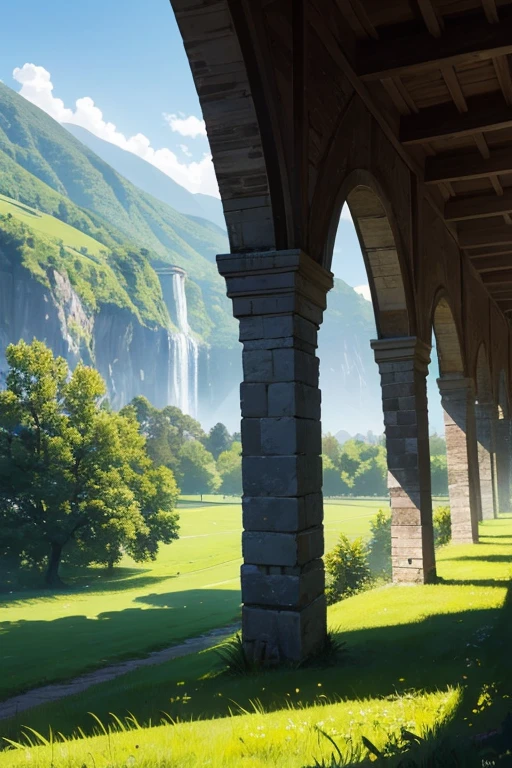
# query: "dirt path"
(47, 693)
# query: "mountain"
(107, 273)
(150, 179)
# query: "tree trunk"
(52, 578)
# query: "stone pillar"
(485, 427)
(458, 401)
(279, 298)
(403, 365)
(503, 463)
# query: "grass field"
(415, 655)
(51, 226)
(192, 587)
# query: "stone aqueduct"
(402, 109)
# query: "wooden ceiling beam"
(502, 69)
(505, 305)
(491, 12)
(503, 277)
(447, 121)
(478, 206)
(467, 165)
(487, 250)
(475, 238)
(466, 38)
(493, 263)
(433, 22)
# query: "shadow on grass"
(430, 655)
(35, 653)
(90, 581)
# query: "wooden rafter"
(356, 15)
(453, 85)
(502, 69)
(491, 264)
(464, 39)
(491, 12)
(445, 121)
(433, 22)
(501, 235)
(496, 183)
(459, 167)
(478, 207)
(481, 143)
(501, 277)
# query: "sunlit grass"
(192, 587)
(416, 655)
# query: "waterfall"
(183, 353)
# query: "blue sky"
(124, 62)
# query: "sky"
(119, 69)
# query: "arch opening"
(460, 480)
(486, 418)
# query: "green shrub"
(379, 546)
(442, 526)
(347, 569)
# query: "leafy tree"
(75, 478)
(347, 569)
(198, 473)
(331, 448)
(229, 467)
(218, 440)
(439, 475)
(379, 546)
(437, 445)
(333, 483)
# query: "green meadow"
(192, 587)
(45, 224)
(415, 657)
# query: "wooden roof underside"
(445, 66)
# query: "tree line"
(359, 468)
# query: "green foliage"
(347, 569)
(442, 526)
(233, 658)
(439, 475)
(379, 545)
(437, 445)
(333, 482)
(197, 472)
(356, 467)
(218, 440)
(229, 467)
(75, 479)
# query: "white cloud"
(364, 291)
(186, 151)
(345, 213)
(196, 175)
(186, 126)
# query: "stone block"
(281, 475)
(289, 435)
(257, 366)
(253, 400)
(284, 635)
(251, 437)
(280, 590)
(251, 328)
(294, 399)
(295, 366)
(275, 514)
(285, 549)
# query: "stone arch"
(503, 399)
(458, 402)
(483, 376)
(379, 242)
(446, 332)
(486, 413)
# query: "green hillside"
(44, 168)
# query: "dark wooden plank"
(467, 165)
(492, 263)
(491, 236)
(505, 305)
(445, 121)
(466, 38)
(503, 277)
(478, 207)
(433, 22)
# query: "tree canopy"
(76, 481)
